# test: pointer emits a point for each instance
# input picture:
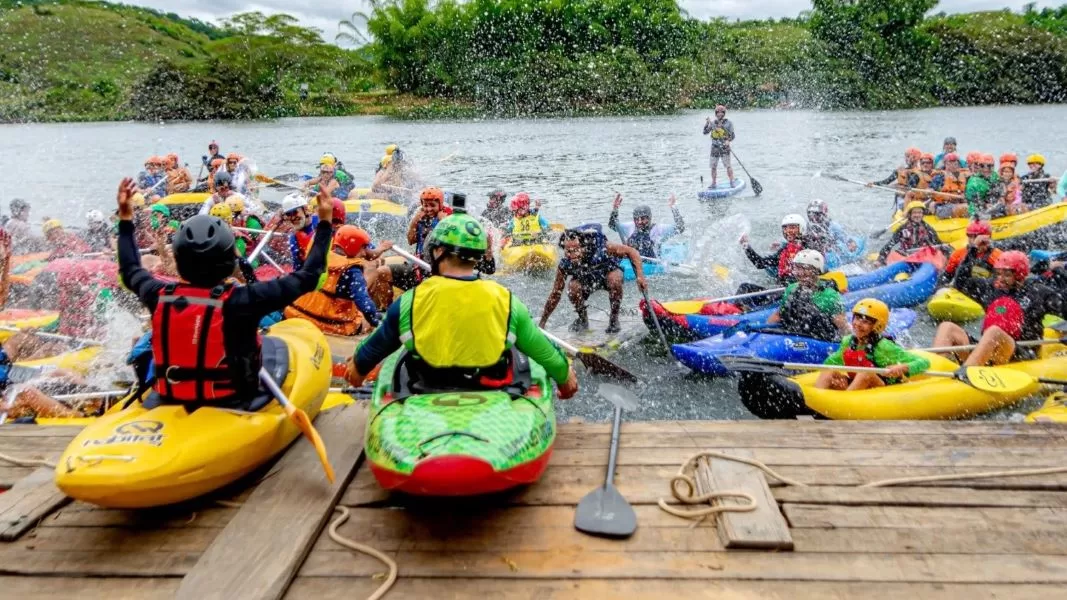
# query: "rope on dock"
(363, 549)
(26, 462)
(688, 495)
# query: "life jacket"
(953, 184)
(526, 229)
(85, 287)
(1006, 313)
(903, 174)
(457, 324)
(188, 344)
(641, 240)
(1035, 194)
(785, 259)
(860, 356)
(596, 260)
(914, 235)
(328, 311)
(974, 265)
(800, 316)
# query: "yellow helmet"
(390, 149)
(236, 204)
(50, 225)
(873, 309)
(385, 161)
(1036, 158)
(222, 211)
(913, 205)
(328, 159)
(137, 200)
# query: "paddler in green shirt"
(981, 191)
(867, 348)
(811, 306)
(458, 328)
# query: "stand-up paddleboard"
(723, 190)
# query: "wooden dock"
(968, 539)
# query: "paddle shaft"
(1027, 344)
(655, 319)
(847, 369)
(894, 189)
(756, 187)
(53, 336)
(263, 243)
(90, 395)
(259, 231)
(613, 454)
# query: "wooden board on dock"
(761, 529)
(31, 499)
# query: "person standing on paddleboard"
(722, 134)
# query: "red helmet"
(338, 212)
(926, 156)
(1016, 261)
(988, 159)
(979, 228)
(351, 239)
(521, 200)
(1009, 157)
(974, 157)
(432, 193)
(951, 156)
(913, 152)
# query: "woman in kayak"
(913, 235)
(1011, 197)
(591, 263)
(204, 329)
(1015, 310)
(642, 235)
(459, 328)
(823, 233)
(794, 227)
(867, 348)
(976, 260)
(811, 306)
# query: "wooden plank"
(30, 500)
(1053, 430)
(260, 550)
(857, 475)
(115, 539)
(760, 529)
(944, 518)
(89, 588)
(94, 563)
(347, 588)
(84, 515)
(931, 541)
(922, 496)
(566, 563)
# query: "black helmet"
(204, 251)
(222, 177)
(19, 204)
(643, 211)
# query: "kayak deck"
(1003, 538)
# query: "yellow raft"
(950, 304)
(140, 457)
(954, 231)
(529, 258)
(922, 397)
(1054, 410)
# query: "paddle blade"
(263, 178)
(997, 380)
(603, 512)
(601, 366)
(300, 418)
(757, 189)
(618, 395)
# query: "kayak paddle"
(274, 182)
(899, 190)
(300, 419)
(592, 361)
(757, 189)
(604, 512)
(655, 319)
(53, 336)
(968, 347)
(994, 380)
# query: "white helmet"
(798, 220)
(818, 206)
(94, 217)
(293, 202)
(810, 258)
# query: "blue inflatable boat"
(843, 256)
(671, 252)
(703, 356)
(723, 190)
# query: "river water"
(576, 165)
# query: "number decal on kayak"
(991, 379)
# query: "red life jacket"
(188, 345)
(785, 259)
(1006, 313)
(854, 356)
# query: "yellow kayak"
(141, 457)
(529, 258)
(922, 397)
(949, 304)
(954, 231)
(25, 319)
(1054, 410)
(79, 361)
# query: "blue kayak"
(703, 356)
(671, 252)
(1036, 255)
(918, 283)
(723, 190)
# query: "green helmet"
(162, 209)
(461, 235)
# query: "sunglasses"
(868, 320)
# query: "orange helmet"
(974, 157)
(154, 160)
(432, 193)
(521, 200)
(1009, 157)
(233, 156)
(1015, 261)
(351, 240)
(913, 153)
(926, 156)
(217, 163)
(988, 159)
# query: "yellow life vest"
(457, 323)
(527, 228)
(328, 311)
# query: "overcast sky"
(325, 15)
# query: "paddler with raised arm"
(642, 235)
(460, 328)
